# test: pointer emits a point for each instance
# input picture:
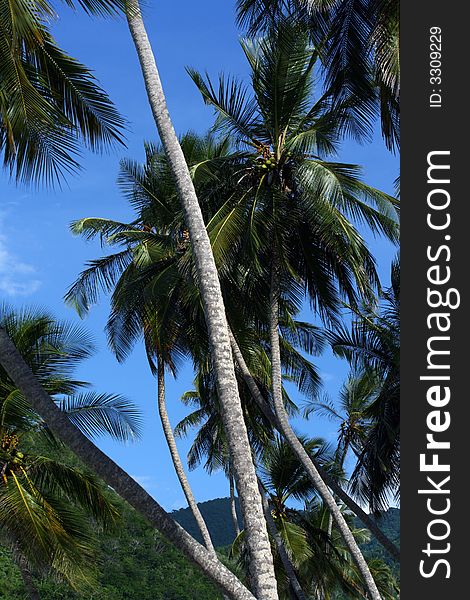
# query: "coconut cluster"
(9, 455)
(267, 163)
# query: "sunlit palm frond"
(103, 414)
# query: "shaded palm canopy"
(48, 502)
(350, 411)
(314, 546)
(272, 198)
(288, 200)
(50, 104)
(264, 182)
(358, 46)
(373, 344)
(154, 294)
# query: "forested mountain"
(216, 513)
(137, 563)
(389, 523)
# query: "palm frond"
(103, 414)
(235, 111)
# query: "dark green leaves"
(49, 103)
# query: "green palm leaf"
(49, 102)
(103, 414)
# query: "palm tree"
(12, 361)
(46, 507)
(45, 501)
(260, 400)
(291, 217)
(373, 344)
(210, 441)
(338, 572)
(210, 446)
(49, 102)
(262, 569)
(358, 43)
(162, 316)
(281, 478)
(320, 561)
(355, 397)
(209, 162)
(111, 473)
(153, 290)
(53, 350)
(154, 294)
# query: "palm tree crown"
(49, 102)
(358, 44)
(46, 502)
(373, 344)
(286, 194)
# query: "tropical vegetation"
(46, 504)
(139, 554)
(235, 235)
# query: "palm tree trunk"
(26, 575)
(330, 529)
(295, 443)
(112, 474)
(286, 562)
(233, 507)
(170, 440)
(261, 561)
(366, 519)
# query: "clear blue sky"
(39, 258)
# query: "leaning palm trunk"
(261, 561)
(295, 443)
(366, 519)
(170, 440)
(330, 527)
(112, 474)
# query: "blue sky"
(39, 258)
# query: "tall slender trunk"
(262, 574)
(170, 440)
(26, 575)
(286, 562)
(329, 531)
(112, 474)
(295, 443)
(233, 508)
(366, 519)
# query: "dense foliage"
(233, 235)
(136, 563)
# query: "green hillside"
(138, 564)
(217, 515)
(389, 522)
